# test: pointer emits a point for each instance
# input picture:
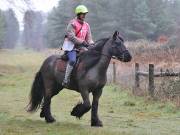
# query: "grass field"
(121, 112)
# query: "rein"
(110, 57)
(102, 54)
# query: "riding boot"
(66, 80)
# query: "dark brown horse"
(89, 75)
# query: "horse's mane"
(92, 56)
(98, 45)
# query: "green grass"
(121, 112)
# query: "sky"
(20, 7)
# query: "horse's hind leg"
(46, 110)
(50, 90)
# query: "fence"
(151, 75)
(112, 73)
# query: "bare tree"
(25, 5)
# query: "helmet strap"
(78, 16)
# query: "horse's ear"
(115, 35)
(121, 38)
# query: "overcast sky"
(19, 7)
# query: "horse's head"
(118, 48)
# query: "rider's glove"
(85, 44)
(90, 46)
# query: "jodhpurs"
(71, 57)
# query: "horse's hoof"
(97, 123)
(42, 114)
(50, 120)
(76, 111)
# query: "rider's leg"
(69, 68)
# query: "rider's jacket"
(77, 32)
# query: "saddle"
(64, 56)
(63, 59)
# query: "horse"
(88, 76)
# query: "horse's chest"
(96, 78)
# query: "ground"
(121, 112)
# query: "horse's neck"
(104, 61)
(97, 57)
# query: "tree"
(133, 18)
(2, 29)
(161, 17)
(57, 21)
(141, 22)
(12, 29)
(28, 28)
(33, 30)
(174, 6)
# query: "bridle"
(109, 57)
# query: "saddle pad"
(61, 65)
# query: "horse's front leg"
(80, 109)
(95, 121)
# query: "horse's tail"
(36, 94)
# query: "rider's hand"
(90, 46)
(85, 44)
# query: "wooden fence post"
(137, 79)
(151, 80)
(137, 84)
(114, 72)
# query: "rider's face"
(82, 16)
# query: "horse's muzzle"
(125, 56)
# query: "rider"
(78, 35)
